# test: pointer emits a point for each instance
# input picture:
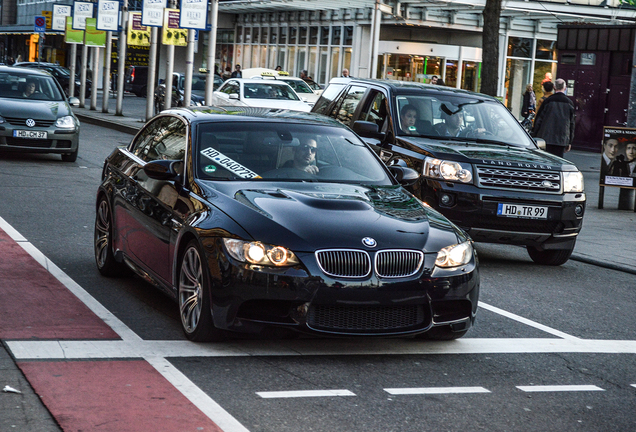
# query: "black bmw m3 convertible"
(251, 218)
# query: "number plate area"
(30, 134)
(522, 211)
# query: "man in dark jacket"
(555, 121)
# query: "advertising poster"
(618, 157)
(193, 14)
(94, 37)
(172, 34)
(108, 15)
(138, 35)
(60, 13)
(152, 12)
(81, 11)
(72, 36)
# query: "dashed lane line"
(559, 388)
(304, 393)
(435, 390)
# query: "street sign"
(49, 16)
(40, 24)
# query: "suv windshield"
(289, 152)
(458, 118)
(27, 86)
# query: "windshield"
(298, 85)
(26, 86)
(457, 117)
(287, 152)
(198, 84)
(269, 91)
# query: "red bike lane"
(96, 395)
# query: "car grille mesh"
(22, 122)
(344, 263)
(26, 142)
(398, 263)
(519, 179)
(365, 318)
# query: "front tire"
(554, 257)
(103, 243)
(70, 157)
(194, 297)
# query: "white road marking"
(435, 390)
(304, 393)
(526, 321)
(633, 385)
(559, 388)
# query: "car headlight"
(1, 119)
(260, 253)
(455, 255)
(572, 181)
(67, 122)
(447, 170)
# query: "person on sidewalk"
(237, 72)
(555, 121)
(548, 90)
(529, 102)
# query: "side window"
(140, 143)
(349, 104)
(165, 138)
(376, 109)
(331, 92)
(232, 87)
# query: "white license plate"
(29, 134)
(522, 211)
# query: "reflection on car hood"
(489, 154)
(310, 216)
(37, 110)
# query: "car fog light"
(578, 210)
(446, 199)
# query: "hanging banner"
(172, 34)
(81, 11)
(72, 36)
(108, 15)
(194, 14)
(60, 13)
(152, 12)
(94, 37)
(138, 35)
(618, 157)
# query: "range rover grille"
(511, 178)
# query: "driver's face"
(611, 148)
(306, 152)
(456, 119)
(30, 88)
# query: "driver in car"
(29, 89)
(304, 157)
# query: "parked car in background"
(136, 80)
(197, 96)
(300, 86)
(477, 164)
(35, 115)
(251, 218)
(61, 74)
(261, 93)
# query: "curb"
(108, 123)
(603, 264)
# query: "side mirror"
(234, 96)
(404, 175)
(163, 169)
(73, 101)
(368, 129)
(540, 143)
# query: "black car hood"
(310, 216)
(37, 110)
(488, 154)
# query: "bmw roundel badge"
(369, 242)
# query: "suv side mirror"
(404, 175)
(368, 129)
(540, 143)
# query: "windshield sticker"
(229, 164)
(209, 169)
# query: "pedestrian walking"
(555, 121)
(529, 102)
(237, 72)
(548, 90)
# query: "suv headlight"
(455, 255)
(572, 181)
(260, 253)
(66, 122)
(447, 170)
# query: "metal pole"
(167, 99)
(152, 67)
(95, 77)
(82, 95)
(71, 84)
(106, 77)
(376, 41)
(209, 83)
(121, 66)
(187, 86)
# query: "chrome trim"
(327, 258)
(398, 262)
(518, 179)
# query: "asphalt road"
(490, 380)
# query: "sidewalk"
(608, 237)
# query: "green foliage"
(628, 2)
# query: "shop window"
(348, 35)
(293, 33)
(302, 36)
(255, 34)
(542, 71)
(519, 47)
(248, 35)
(239, 33)
(546, 50)
(517, 77)
(324, 35)
(335, 58)
(273, 35)
(264, 35)
(450, 79)
(313, 36)
(336, 33)
(282, 35)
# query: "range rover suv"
(477, 165)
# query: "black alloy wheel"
(194, 297)
(104, 256)
(550, 257)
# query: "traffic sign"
(40, 24)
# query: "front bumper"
(248, 299)
(475, 210)
(57, 141)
